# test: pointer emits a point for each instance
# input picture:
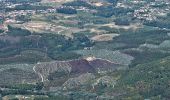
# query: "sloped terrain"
(150, 78)
(74, 67)
(84, 49)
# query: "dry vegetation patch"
(39, 26)
(134, 27)
(104, 37)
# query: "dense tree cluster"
(158, 23)
(52, 44)
(17, 31)
(27, 7)
(67, 10)
(108, 11)
(23, 1)
(122, 21)
(79, 3)
(151, 82)
(23, 18)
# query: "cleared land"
(104, 37)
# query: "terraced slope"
(78, 67)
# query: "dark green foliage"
(67, 10)
(157, 23)
(150, 79)
(78, 3)
(114, 2)
(23, 89)
(39, 86)
(23, 18)
(81, 40)
(16, 57)
(108, 11)
(81, 95)
(23, 1)
(52, 40)
(27, 7)
(64, 55)
(14, 99)
(134, 39)
(3, 43)
(55, 46)
(122, 21)
(1, 20)
(21, 86)
(11, 51)
(148, 75)
(20, 92)
(1, 31)
(61, 74)
(161, 22)
(17, 31)
(59, 97)
(105, 11)
(145, 56)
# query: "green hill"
(150, 80)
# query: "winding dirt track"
(42, 79)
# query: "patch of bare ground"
(41, 27)
(95, 30)
(104, 37)
(133, 26)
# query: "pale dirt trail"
(42, 79)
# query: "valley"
(84, 49)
